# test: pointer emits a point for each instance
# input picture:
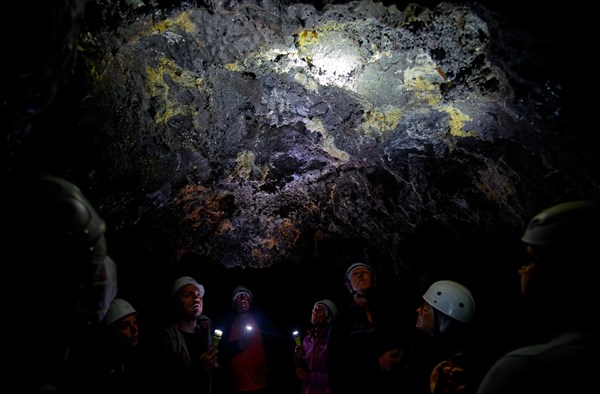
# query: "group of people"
(189, 353)
(77, 334)
(556, 287)
(84, 337)
(432, 356)
(68, 329)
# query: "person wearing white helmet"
(558, 290)
(329, 307)
(121, 324)
(118, 309)
(446, 314)
(183, 351)
(310, 357)
(245, 350)
(115, 361)
(450, 303)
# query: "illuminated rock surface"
(419, 139)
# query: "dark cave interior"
(288, 291)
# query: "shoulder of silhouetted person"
(556, 286)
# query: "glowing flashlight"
(297, 339)
(248, 328)
(217, 337)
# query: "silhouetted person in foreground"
(58, 280)
(558, 290)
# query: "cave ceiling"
(259, 134)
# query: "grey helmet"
(46, 206)
(58, 238)
(355, 265)
(78, 218)
(564, 223)
(238, 291)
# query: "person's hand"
(299, 352)
(302, 373)
(446, 378)
(208, 360)
(388, 359)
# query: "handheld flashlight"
(297, 339)
(247, 332)
(217, 337)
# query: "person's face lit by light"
(425, 319)
(242, 303)
(190, 301)
(318, 316)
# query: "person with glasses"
(557, 293)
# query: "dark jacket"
(174, 362)
(355, 345)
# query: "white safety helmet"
(452, 299)
(330, 307)
(186, 280)
(563, 224)
(118, 308)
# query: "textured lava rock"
(260, 135)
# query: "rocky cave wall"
(273, 143)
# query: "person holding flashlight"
(184, 352)
(310, 357)
(242, 349)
